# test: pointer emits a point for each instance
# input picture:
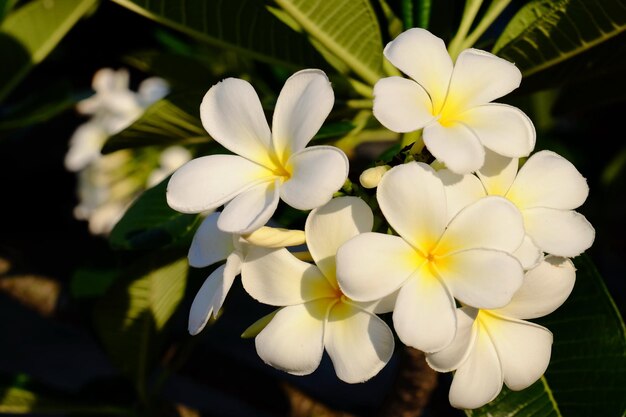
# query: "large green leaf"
(547, 32)
(150, 223)
(348, 29)
(28, 34)
(245, 26)
(132, 316)
(171, 121)
(587, 372)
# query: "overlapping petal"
(209, 244)
(232, 114)
(208, 182)
(401, 105)
(481, 278)
(330, 226)
(358, 343)
(559, 232)
(544, 289)
(423, 57)
(424, 316)
(479, 78)
(413, 201)
(461, 190)
(498, 173)
(317, 172)
(548, 180)
(372, 265)
(250, 209)
(294, 340)
(528, 253)
(504, 129)
(276, 277)
(212, 294)
(302, 106)
(456, 353)
(456, 146)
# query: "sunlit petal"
(250, 209)
(209, 244)
(456, 146)
(461, 190)
(401, 105)
(498, 173)
(456, 353)
(559, 232)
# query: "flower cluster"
(470, 248)
(105, 188)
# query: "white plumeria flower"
(452, 102)
(434, 259)
(268, 166)
(493, 347)
(317, 315)
(209, 246)
(546, 190)
(85, 145)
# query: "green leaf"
(255, 328)
(587, 371)
(170, 121)
(150, 223)
(245, 26)
(91, 282)
(348, 29)
(132, 316)
(31, 32)
(546, 32)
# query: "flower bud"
(372, 176)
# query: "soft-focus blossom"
(452, 102)
(493, 347)
(316, 314)
(434, 259)
(268, 166)
(103, 191)
(209, 246)
(170, 160)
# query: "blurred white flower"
(492, 347)
(316, 314)
(434, 259)
(170, 160)
(267, 166)
(452, 102)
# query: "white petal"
(302, 106)
(373, 265)
(212, 294)
(423, 57)
(456, 146)
(413, 201)
(232, 114)
(479, 78)
(401, 105)
(85, 145)
(456, 353)
(523, 348)
(498, 173)
(251, 209)
(548, 180)
(425, 313)
(479, 379)
(461, 190)
(490, 223)
(318, 171)
(294, 340)
(209, 244)
(151, 90)
(528, 254)
(330, 226)
(504, 129)
(278, 278)
(380, 306)
(208, 182)
(559, 232)
(359, 343)
(543, 290)
(481, 278)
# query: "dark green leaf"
(28, 34)
(132, 316)
(545, 32)
(587, 372)
(245, 26)
(150, 223)
(92, 282)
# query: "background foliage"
(95, 326)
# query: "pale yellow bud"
(372, 176)
(272, 237)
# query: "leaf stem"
(495, 8)
(469, 14)
(407, 14)
(423, 17)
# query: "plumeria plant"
(362, 206)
